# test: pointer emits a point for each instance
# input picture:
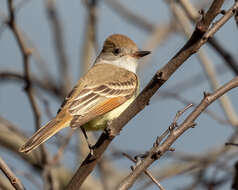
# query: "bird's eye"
(116, 51)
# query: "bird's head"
(120, 50)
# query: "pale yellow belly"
(100, 122)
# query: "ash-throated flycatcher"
(101, 95)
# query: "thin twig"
(25, 55)
(90, 45)
(57, 33)
(192, 12)
(155, 181)
(39, 60)
(225, 102)
(156, 152)
(31, 178)
(157, 38)
(11, 176)
(45, 85)
(28, 84)
(185, 101)
(173, 125)
(199, 37)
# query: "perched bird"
(101, 95)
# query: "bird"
(100, 95)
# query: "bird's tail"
(43, 134)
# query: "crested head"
(119, 41)
(121, 51)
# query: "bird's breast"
(100, 122)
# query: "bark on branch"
(199, 37)
(157, 151)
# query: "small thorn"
(173, 126)
(157, 142)
(156, 156)
(91, 152)
(159, 75)
(148, 103)
(223, 12)
(205, 94)
(201, 12)
(138, 160)
(108, 131)
(139, 156)
(172, 149)
(193, 125)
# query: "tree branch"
(11, 176)
(157, 151)
(57, 33)
(25, 55)
(45, 84)
(193, 14)
(200, 36)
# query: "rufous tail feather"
(43, 134)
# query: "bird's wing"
(95, 98)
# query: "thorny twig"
(155, 181)
(173, 125)
(156, 152)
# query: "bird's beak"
(139, 54)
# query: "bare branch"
(25, 56)
(28, 86)
(156, 152)
(226, 55)
(176, 96)
(45, 85)
(155, 181)
(200, 36)
(208, 67)
(90, 45)
(57, 31)
(11, 176)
